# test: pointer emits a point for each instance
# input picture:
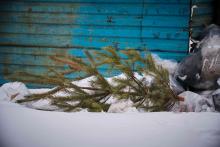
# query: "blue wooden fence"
(32, 30)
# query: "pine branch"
(72, 65)
(156, 97)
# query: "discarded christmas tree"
(155, 96)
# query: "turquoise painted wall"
(32, 30)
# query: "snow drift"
(24, 127)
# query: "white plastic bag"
(194, 102)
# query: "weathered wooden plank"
(38, 64)
(92, 42)
(83, 19)
(110, 1)
(201, 20)
(27, 60)
(6, 70)
(35, 40)
(166, 9)
(76, 8)
(36, 51)
(202, 10)
(46, 62)
(35, 61)
(43, 51)
(12, 68)
(38, 69)
(14, 63)
(97, 8)
(201, 1)
(95, 31)
(165, 33)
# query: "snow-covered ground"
(25, 127)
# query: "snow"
(170, 65)
(21, 126)
(24, 127)
(122, 106)
(13, 91)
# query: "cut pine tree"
(157, 96)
